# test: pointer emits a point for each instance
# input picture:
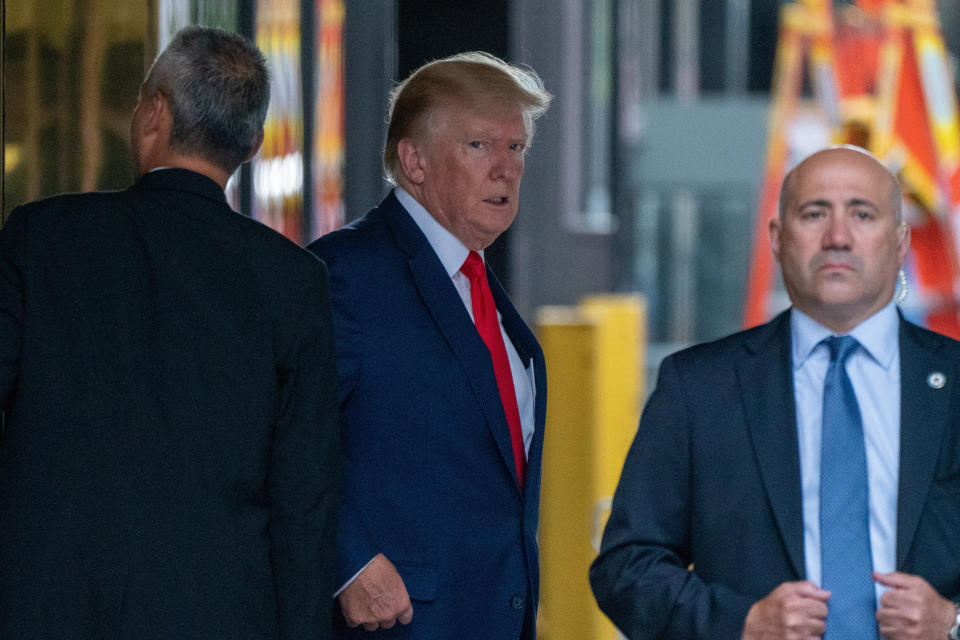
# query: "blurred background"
(652, 176)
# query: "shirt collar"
(878, 335)
(447, 246)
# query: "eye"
(811, 214)
(476, 144)
(518, 146)
(863, 214)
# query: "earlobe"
(411, 160)
(774, 229)
(256, 146)
(903, 241)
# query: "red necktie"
(485, 317)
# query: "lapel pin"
(936, 380)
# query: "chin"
(840, 302)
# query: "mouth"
(837, 262)
(837, 266)
(499, 201)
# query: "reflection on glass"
(278, 170)
(71, 71)
(328, 141)
(173, 15)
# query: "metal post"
(686, 48)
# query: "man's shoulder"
(72, 203)
(746, 342)
(927, 338)
(357, 242)
(64, 215)
(263, 240)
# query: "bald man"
(800, 479)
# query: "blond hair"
(474, 80)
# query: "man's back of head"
(217, 88)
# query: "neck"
(192, 163)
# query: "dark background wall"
(386, 41)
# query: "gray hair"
(218, 87)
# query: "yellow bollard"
(595, 372)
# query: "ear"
(158, 118)
(412, 160)
(903, 241)
(774, 229)
(256, 146)
(150, 128)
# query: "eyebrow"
(861, 202)
(853, 202)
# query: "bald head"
(839, 237)
(887, 187)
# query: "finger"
(885, 617)
(814, 592)
(388, 624)
(895, 579)
(351, 621)
(818, 610)
(817, 629)
(371, 626)
(897, 600)
(406, 616)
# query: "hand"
(792, 611)
(912, 609)
(377, 597)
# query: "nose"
(837, 236)
(507, 165)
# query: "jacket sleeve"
(642, 578)
(304, 479)
(356, 545)
(12, 249)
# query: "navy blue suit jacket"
(429, 476)
(713, 480)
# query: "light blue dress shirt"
(452, 254)
(874, 371)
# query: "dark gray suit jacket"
(713, 480)
(170, 461)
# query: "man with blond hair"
(442, 385)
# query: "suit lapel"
(924, 416)
(528, 349)
(765, 380)
(444, 304)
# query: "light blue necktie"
(844, 507)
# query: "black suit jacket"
(713, 480)
(169, 466)
(429, 478)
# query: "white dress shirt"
(452, 254)
(874, 371)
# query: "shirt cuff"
(354, 577)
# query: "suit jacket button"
(516, 602)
